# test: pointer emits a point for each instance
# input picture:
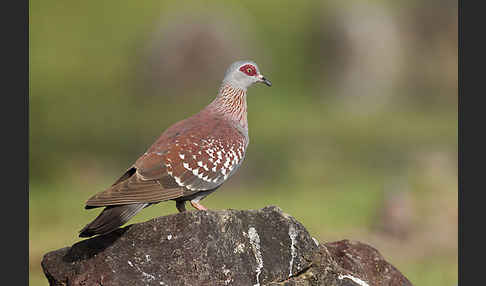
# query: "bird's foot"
(198, 206)
(181, 206)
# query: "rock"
(228, 247)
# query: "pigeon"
(190, 160)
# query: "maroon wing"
(148, 182)
(204, 162)
(191, 156)
(205, 156)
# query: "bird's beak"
(264, 80)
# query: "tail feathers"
(111, 218)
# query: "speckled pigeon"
(190, 160)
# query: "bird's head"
(242, 74)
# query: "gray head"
(242, 74)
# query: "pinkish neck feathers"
(231, 104)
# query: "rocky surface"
(229, 247)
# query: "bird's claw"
(198, 206)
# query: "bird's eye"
(249, 70)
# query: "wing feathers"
(135, 189)
(111, 218)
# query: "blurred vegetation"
(357, 137)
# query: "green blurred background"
(357, 137)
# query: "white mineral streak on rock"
(226, 273)
(255, 244)
(147, 277)
(240, 248)
(293, 250)
(355, 279)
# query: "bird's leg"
(181, 206)
(198, 206)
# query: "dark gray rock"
(229, 247)
(348, 263)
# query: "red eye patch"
(249, 70)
